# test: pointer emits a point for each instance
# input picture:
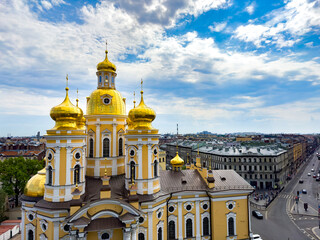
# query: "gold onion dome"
(65, 114)
(35, 186)
(177, 161)
(141, 116)
(106, 65)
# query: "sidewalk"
(298, 209)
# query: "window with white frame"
(231, 224)
(189, 225)
(172, 227)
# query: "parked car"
(318, 179)
(309, 174)
(257, 214)
(304, 191)
(256, 237)
(312, 170)
(314, 176)
(300, 181)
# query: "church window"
(66, 228)
(132, 152)
(77, 155)
(171, 209)
(30, 235)
(106, 101)
(155, 151)
(91, 148)
(106, 147)
(76, 174)
(188, 207)
(105, 236)
(205, 226)
(231, 226)
(160, 233)
(49, 175)
(205, 206)
(141, 236)
(189, 228)
(172, 230)
(120, 146)
(50, 156)
(155, 169)
(141, 219)
(132, 171)
(99, 78)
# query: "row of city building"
(264, 163)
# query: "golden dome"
(141, 116)
(106, 101)
(106, 65)
(65, 114)
(81, 121)
(177, 161)
(35, 186)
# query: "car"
(304, 191)
(300, 181)
(309, 174)
(312, 170)
(314, 176)
(318, 179)
(256, 237)
(257, 214)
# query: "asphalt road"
(278, 222)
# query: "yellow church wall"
(51, 141)
(145, 156)
(92, 236)
(90, 171)
(62, 169)
(113, 207)
(120, 170)
(76, 140)
(117, 234)
(219, 213)
(63, 141)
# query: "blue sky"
(216, 65)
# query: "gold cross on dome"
(141, 84)
(67, 79)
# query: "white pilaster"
(114, 166)
(114, 139)
(56, 230)
(126, 234)
(180, 220)
(134, 234)
(68, 166)
(57, 166)
(139, 161)
(22, 223)
(150, 230)
(198, 236)
(97, 140)
(149, 161)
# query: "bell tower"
(142, 150)
(65, 156)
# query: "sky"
(217, 65)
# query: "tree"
(3, 196)
(15, 173)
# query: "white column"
(198, 236)
(149, 161)
(114, 139)
(56, 166)
(126, 234)
(180, 220)
(139, 161)
(22, 224)
(97, 139)
(134, 234)
(56, 230)
(68, 166)
(150, 229)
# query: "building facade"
(103, 180)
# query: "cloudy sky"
(216, 65)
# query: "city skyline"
(220, 66)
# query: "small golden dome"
(106, 65)
(65, 114)
(177, 161)
(81, 121)
(106, 101)
(141, 116)
(35, 186)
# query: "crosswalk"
(286, 196)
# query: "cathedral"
(102, 179)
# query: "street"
(283, 219)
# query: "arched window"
(205, 226)
(106, 149)
(140, 236)
(231, 226)
(91, 148)
(155, 169)
(160, 233)
(172, 230)
(132, 171)
(189, 228)
(120, 147)
(76, 174)
(30, 235)
(49, 175)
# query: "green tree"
(15, 173)
(3, 196)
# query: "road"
(278, 222)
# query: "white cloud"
(218, 27)
(286, 25)
(46, 4)
(250, 9)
